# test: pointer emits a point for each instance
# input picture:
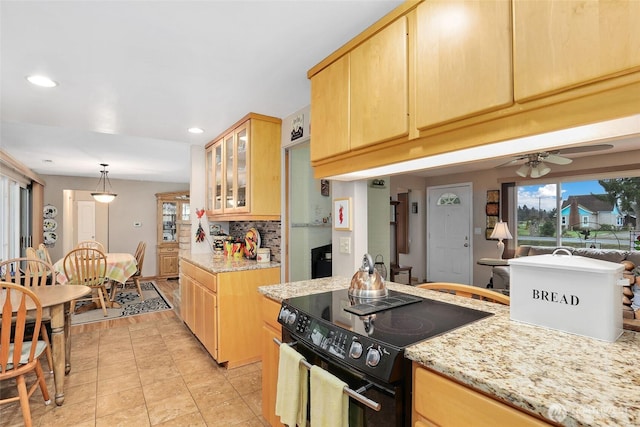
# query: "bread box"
(569, 293)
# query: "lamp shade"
(104, 196)
(501, 231)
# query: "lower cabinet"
(270, 354)
(440, 401)
(223, 310)
(167, 261)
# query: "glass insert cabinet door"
(169, 216)
(227, 166)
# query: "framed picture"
(493, 196)
(487, 233)
(342, 214)
(491, 221)
(324, 187)
(493, 208)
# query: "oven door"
(394, 399)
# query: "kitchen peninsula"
(495, 365)
(219, 303)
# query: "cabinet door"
(564, 44)
(463, 59)
(209, 336)
(379, 88)
(217, 185)
(167, 229)
(187, 299)
(240, 170)
(330, 110)
(270, 355)
(209, 177)
(168, 265)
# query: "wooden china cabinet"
(172, 207)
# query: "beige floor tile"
(170, 408)
(115, 347)
(84, 363)
(137, 334)
(213, 393)
(132, 417)
(248, 383)
(73, 394)
(152, 374)
(190, 420)
(116, 369)
(128, 379)
(111, 403)
(254, 422)
(254, 400)
(70, 414)
(227, 413)
(76, 378)
(115, 357)
(162, 389)
(242, 370)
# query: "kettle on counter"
(367, 282)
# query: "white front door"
(86, 220)
(449, 234)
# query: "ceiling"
(135, 75)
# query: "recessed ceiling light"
(195, 130)
(42, 81)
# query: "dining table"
(57, 298)
(120, 267)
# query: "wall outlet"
(345, 245)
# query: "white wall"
(135, 202)
(379, 236)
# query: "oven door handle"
(351, 393)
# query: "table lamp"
(500, 232)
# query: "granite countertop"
(563, 377)
(225, 265)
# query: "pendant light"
(104, 196)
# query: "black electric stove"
(370, 335)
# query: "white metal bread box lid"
(569, 293)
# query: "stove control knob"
(373, 357)
(284, 314)
(291, 318)
(356, 350)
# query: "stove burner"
(405, 324)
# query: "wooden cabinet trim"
(240, 122)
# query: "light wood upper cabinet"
(559, 45)
(379, 87)
(330, 110)
(463, 59)
(242, 182)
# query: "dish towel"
(291, 395)
(329, 404)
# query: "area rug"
(130, 305)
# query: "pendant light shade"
(104, 196)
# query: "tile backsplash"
(269, 234)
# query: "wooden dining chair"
(20, 355)
(87, 266)
(43, 252)
(468, 291)
(92, 244)
(135, 278)
(31, 272)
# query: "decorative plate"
(50, 211)
(50, 224)
(251, 243)
(50, 237)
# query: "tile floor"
(149, 373)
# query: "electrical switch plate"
(477, 231)
(345, 245)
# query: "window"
(584, 212)
(448, 199)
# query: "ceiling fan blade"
(557, 160)
(584, 149)
(509, 162)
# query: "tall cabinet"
(172, 207)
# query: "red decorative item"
(200, 231)
(199, 213)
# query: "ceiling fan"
(536, 163)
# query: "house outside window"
(575, 214)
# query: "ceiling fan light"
(540, 170)
(523, 170)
